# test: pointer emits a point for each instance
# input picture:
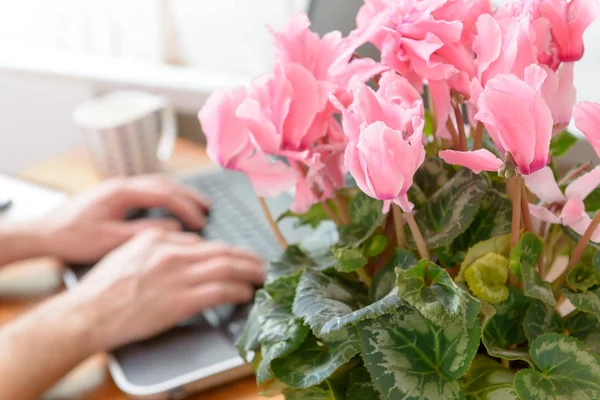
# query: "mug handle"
(168, 134)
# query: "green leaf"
(523, 261)
(583, 277)
(586, 328)
(283, 290)
(561, 143)
(328, 303)
(375, 245)
(314, 393)
(248, 341)
(385, 280)
(349, 259)
(428, 128)
(290, 262)
(281, 333)
(588, 302)
(430, 289)
(432, 175)
(450, 210)
(504, 330)
(565, 370)
(541, 318)
(313, 217)
(316, 360)
(487, 277)
(411, 358)
(365, 210)
(592, 201)
(360, 386)
(498, 244)
(492, 219)
(487, 379)
(576, 237)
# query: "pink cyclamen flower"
(395, 103)
(560, 95)
(587, 120)
(383, 162)
(230, 145)
(518, 120)
(568, 20)
(569, 208)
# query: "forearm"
(19, 241)
(42, 346)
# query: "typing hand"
(160, 278)
(93, 224)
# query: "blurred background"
(54, 54)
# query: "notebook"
(26, 200)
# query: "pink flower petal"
(572, 211)
(476, 161)
(587, 120)
(404, 203)
(544, 186)
(543, 214)
(581, 187)
(440, 94)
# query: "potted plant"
(466, 262)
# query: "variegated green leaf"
(316, 359)
(313, 217)
(499, 245)
(385, 280)
(523, 259)
(360, 386)
(561, 143)
(487, 277)
(327, 303)
(492, 219)
(432, 175)
(292, 261)
(283, 290)
(586, 328)
(365, 210)
(504, 330)
(487, 379)
(430, 289)
(541, 318)
(349, 259)
(588, 302)
(411, 358)
(248, 340)
(576, 237)
(592, 201)
(565, 370)
(315, 393)
(375, 245)
(586, 274)
(450, 210)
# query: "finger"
(225, 269)
(131, 228)
(154, 194)
(214, 294)
(201, 200)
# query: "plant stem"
(578, 252)
(342, 209)
(328, 210)
(416, 232)
(453, 134)
(462, 136)
(362, 274)
(432, 111)
(478, 137)
(515, 191)
(505, 363)
(272, 223)
(525, 208)
(398, 225)
(575, 173)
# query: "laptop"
(200, 353)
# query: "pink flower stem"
(278, 235)
(462, 136)
(453, 134)
(342, 208)
(478, 137)
(575, 173)
(513, 187)
(525, 209)
(416, 232)
(432, 112)
(583, 242)
(364, 276)
(399, 225)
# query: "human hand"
(89, 226)
(160, 278)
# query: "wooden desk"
(74, 173)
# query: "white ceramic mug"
(127, 132)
